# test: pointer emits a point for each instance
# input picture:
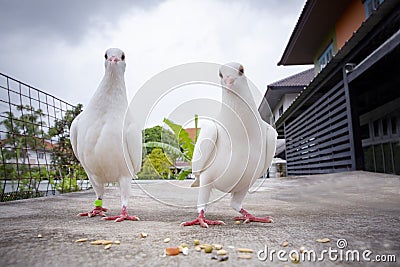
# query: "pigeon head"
(231, 74)
(115, 60)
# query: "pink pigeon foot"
(124, 216)
(96, 211)
(201, 219)
(247, 217)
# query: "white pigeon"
(109, 148)
(233, 150)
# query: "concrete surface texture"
(360, 209)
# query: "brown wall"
(349, 22)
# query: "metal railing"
(36, 157)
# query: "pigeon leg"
(125, 190)
(98, 210)
(204, 195)
(201, 219)
(236, 203)
(247, 217)
(98, 203)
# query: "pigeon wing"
(74, 135)
(204, 149)
(133, 147)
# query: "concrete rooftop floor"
(362, 208)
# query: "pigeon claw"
(94, 212)
(120, 218)
(202, 221)
(247, 218)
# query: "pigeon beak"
(113, 59)
(229, 81)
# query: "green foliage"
(63, 155)
(156, 165)
(23, 132)
(158, 134)
(69, 182)
(172, 151)
(184, 141)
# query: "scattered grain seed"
(245, 250)
(185, 251)
(285, 244)
(323, 240)
(197, 248)
(39, 236)
(238, 222)
(295, 258)
(117, 242)
(107, 242)
(302, 249)
(166, 240)
(217, 246)
(143, 235)
(97, 242)
(221, 252)
(172, 251)
(244, 256)
(231, 247)
(108, 246)
(208, 249)
(184, 245)
(204, 245)
(81, 240)
(196, 242)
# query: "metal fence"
(36, 158)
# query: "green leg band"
(98, 203)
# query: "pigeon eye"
(105, 56)
(241, 71)
(220, 75)
(123, 56)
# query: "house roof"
(192, 132)
(299, 79)
(289, 85)
(317, 18)
(40, 144)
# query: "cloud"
(59, 46)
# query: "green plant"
(156, 165)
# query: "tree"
(22, 133)
(182, 148)
(69, 169)
(158, 134)
(156, 165)
(63, 155)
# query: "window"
(385, 127)
(326, 56)
(376, 128)
(40, 155)
(371, 6)
(394, 125)
(280, 112)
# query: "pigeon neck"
(111, 91)
(234, 103)
(113, 83)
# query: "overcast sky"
(58, 46)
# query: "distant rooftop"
(291, 85)
(299, 79)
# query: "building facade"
(348, 116)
